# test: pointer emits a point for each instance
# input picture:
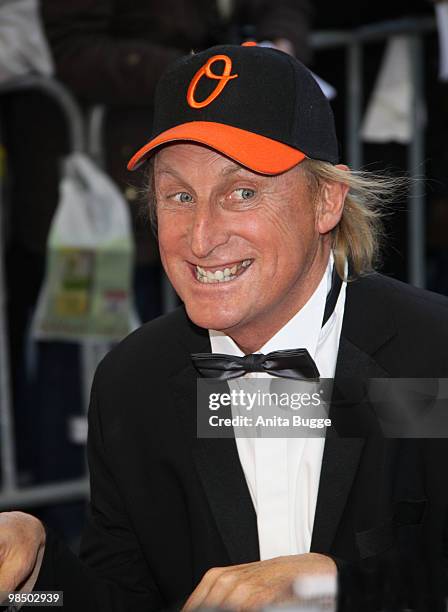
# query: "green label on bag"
(88, 293)
(76, 270)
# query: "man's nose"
(208, 231)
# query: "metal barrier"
(353, 42)
(10, 495)
(13, 497)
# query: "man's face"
(239, 248)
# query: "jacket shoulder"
(407, 303)
(405, 327)
(158, 347)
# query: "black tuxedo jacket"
(166, 506)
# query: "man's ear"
(331, 205)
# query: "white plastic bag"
(389, 116)
(87, 292)
(23, 46)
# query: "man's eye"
(183, 197)
(245, 193)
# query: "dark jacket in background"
(113, 52)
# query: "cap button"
(249, 43)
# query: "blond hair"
(359, 235)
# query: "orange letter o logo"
(223, 79)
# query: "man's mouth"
(222, 275)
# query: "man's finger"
(200, 592)
(233, 596)
(212, 589)
(223, 588)
(8, 578)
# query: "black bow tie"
(295, 363)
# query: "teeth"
(220, 276)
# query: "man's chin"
(219, 321)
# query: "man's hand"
(22, 544)
(253, 585)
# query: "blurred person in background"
(108, 53)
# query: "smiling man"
(259, 228)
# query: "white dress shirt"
(282, 474)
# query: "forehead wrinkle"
(229, 169)
(225, 172)
(233, 169)
(170, 172)
(210, 158)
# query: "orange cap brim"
(256, 152)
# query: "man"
(255, 227)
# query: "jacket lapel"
(224, 482)
(366, 328)
(217, 461)
(342, 454)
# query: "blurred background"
(79, 262)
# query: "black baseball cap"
(256, 105)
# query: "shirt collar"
(301, 331)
